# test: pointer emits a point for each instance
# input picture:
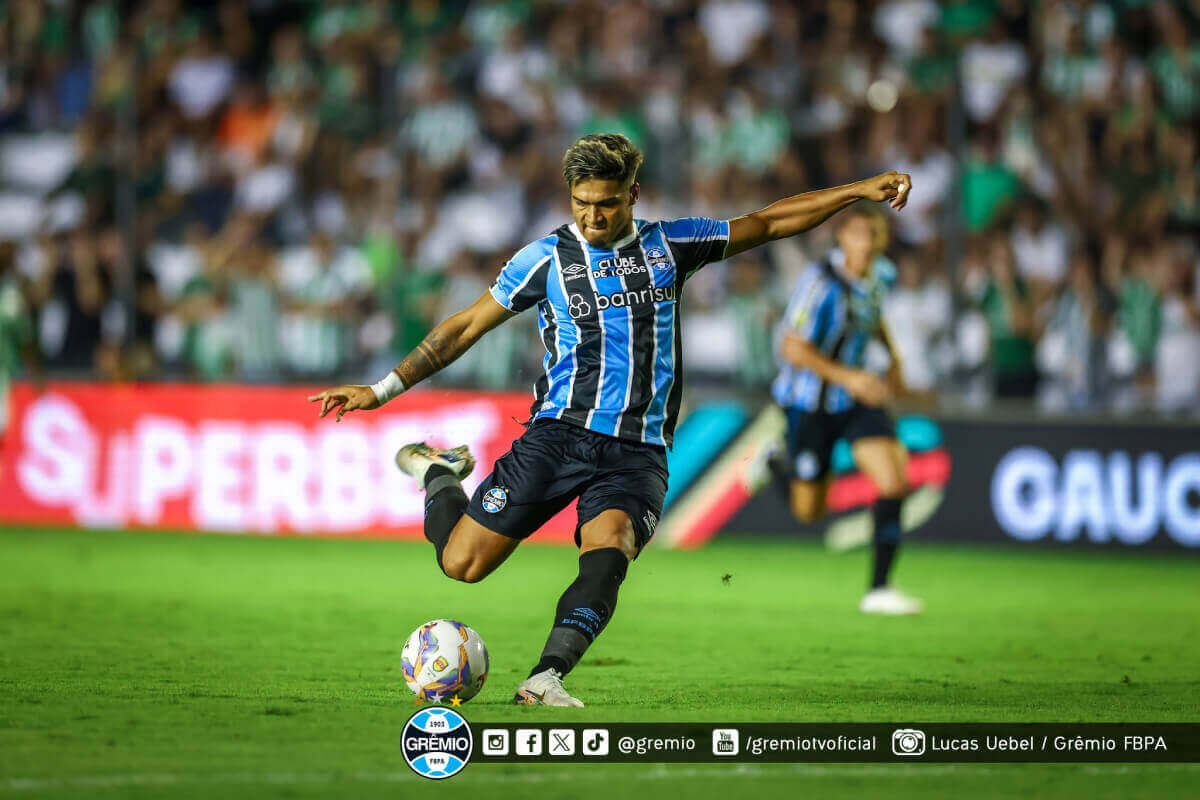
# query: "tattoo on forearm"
(431, 355)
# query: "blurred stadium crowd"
(260, 190)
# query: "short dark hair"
(607, 156)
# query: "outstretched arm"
(451, 338)
(797, 214)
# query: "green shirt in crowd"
(1012, 352)
(1139, 312)
(16, 328)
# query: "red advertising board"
(238, 459)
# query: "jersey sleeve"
(522, 280)
(696, 241)
(810, 313)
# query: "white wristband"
(389, 387)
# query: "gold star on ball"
(456, 701)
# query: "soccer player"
(826, 394)
(607, 289)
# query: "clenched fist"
(893, 186)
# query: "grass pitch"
(142, 664)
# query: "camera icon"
(495, 742)
(908, 742)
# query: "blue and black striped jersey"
(609, 319)
(837, 314)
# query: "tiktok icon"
(595, 742)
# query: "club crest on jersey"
(657, 257)
(807, 465)
(495, 500)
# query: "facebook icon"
(528, 742)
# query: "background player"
(826, 394)
(607, 288)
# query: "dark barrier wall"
(1116, 485)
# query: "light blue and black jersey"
(609, 319)
(837, 314)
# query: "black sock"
(887, 538)
(584, 609)
(782, 473)
(444, 504)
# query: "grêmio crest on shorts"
(609, 319)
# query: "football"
(444, 658)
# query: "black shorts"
(812, 434)
(553, 463)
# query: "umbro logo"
(573, 270)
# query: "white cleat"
(893, 602)
(545, 689)
(416, 459)
(757, 475)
